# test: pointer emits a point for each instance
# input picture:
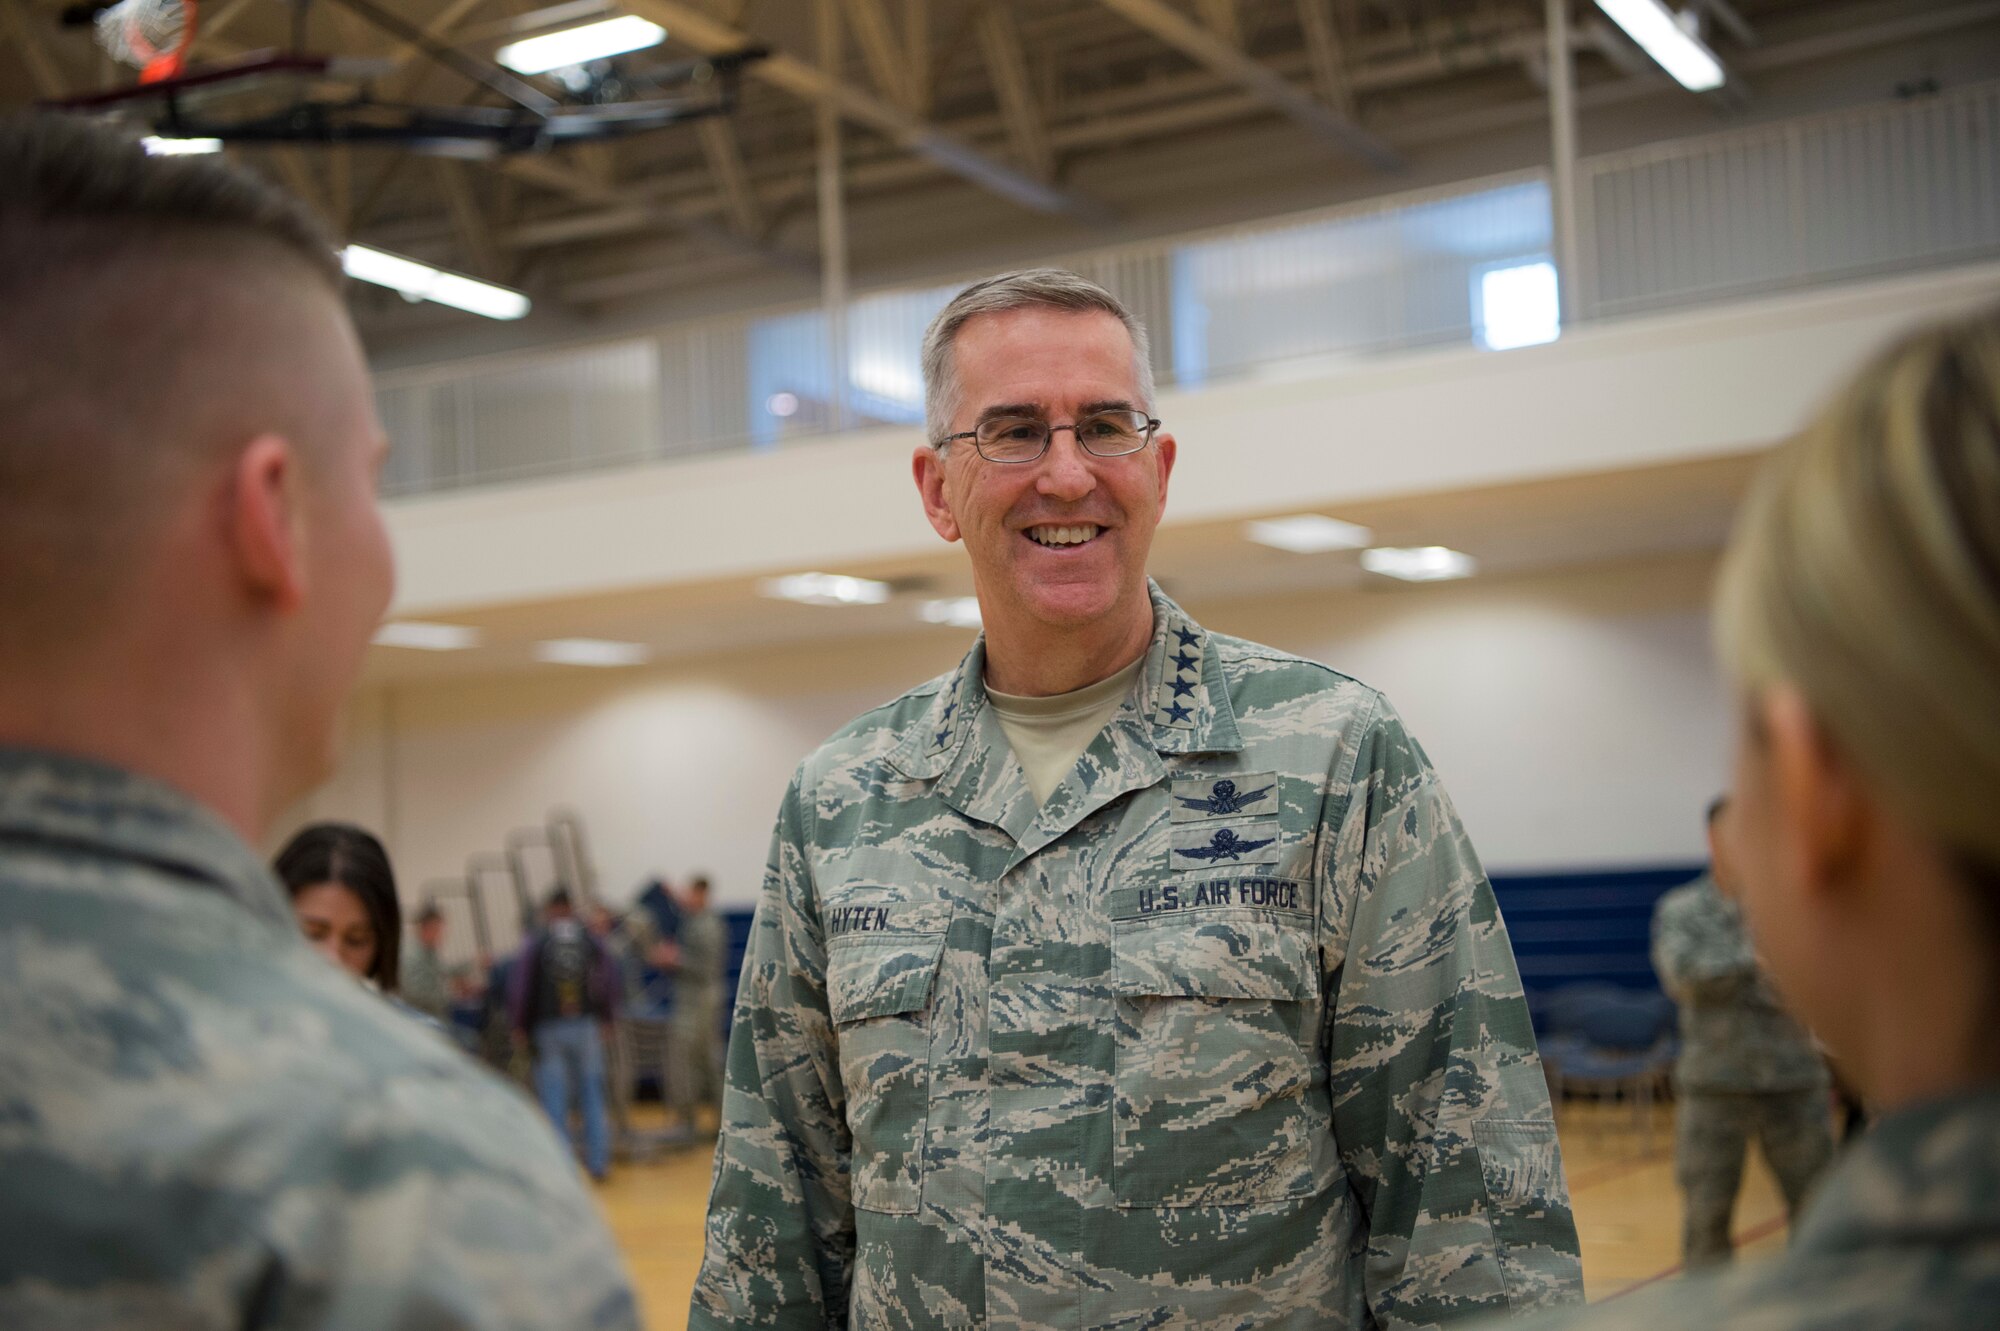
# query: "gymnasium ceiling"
(974, 118)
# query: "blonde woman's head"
(1859, 612)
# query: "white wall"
(1575, 716)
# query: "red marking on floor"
(1765, 1230)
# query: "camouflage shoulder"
(871, 736)
(1263, 671)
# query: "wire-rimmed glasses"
(1104, 434)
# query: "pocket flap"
(881, 974)
(1216, 954)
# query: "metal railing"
(1809, 200)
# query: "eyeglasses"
(1104, 434)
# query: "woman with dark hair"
(344, 894)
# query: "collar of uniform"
(1186, 695)
(59, 799)
(1184, 698)
(1922, 1175)
(928, 747)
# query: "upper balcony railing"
(1798, 202)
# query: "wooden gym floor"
(1621, 1178)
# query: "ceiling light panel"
(1428, 563)
(159, 146)
(1307, 534)
(599, 652)
(1659, 33)
(420, 281)
(422, 637)
(825, 589)
(580, 46)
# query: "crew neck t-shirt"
(1050, 734)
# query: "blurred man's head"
(697, 892)
(559, 906)
(430, 927)
(1721, 864)
(188, 464)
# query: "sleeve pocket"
(1527, 1203)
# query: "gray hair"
(1052, 288)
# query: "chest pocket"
(1217, 1021)
(881, 974)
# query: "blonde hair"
(1865, 573)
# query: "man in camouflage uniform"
(1746, 1069)
(1200, 1016)
(701, 953)
(424, 984)
(202, 1123)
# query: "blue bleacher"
(1588, 926)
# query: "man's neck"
(1042, 663)
(167, 735)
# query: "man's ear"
(1825, 812)
(266, 536)
(1164, 451)
(927, 465)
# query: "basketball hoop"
(152, 36)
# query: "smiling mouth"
(1064, 537)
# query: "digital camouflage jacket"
(1227, 1033)
(1734, 1034)
(204, 1125)
(1902, 1234)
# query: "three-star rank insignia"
(1181, 694)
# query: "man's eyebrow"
(1031, 409)
(1110, 404)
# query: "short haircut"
(123, 280)
(1045, 288)
(345, 854)
(558, 900)
(1715, 808)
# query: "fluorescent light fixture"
(1307, 534)
(160, 146)
(579, 46)
(826, 589)
(1519, 306)
(592, 652)
(423, 637)
(1428, 563)
(959, 612)
(1655, 28)
(420, 281)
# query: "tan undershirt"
(1050, 734)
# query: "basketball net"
(152, 36)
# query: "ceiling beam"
(1222, 20)
(1203, 47)
(732, 178)
(50, 81)
(474, 235)
(1327, 54)
(802, 79)
(210, 30)
(917, 50)
(869, 22)
(1026, 128)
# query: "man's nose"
(1066, 472)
